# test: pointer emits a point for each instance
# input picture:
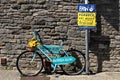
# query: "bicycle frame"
(54, 49)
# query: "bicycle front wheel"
(29, 63)
(76, 67)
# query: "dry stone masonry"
(59, 17)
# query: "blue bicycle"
(38, 56)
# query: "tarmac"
(14, 75)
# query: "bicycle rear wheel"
(76, 67)
(29, 63)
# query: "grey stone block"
(4, 1)
(41, 1)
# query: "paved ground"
(14, 75)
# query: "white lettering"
(83, 8)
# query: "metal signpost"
(87, 21)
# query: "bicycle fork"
(34, 55)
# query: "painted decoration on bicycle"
(63, 60)
(48, 49)
(33, 42)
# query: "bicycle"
(31, 61)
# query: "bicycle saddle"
(63, 37)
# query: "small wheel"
(76, 67)
(29, 63)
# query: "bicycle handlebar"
(37, 36)
(61, 37)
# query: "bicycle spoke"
(26, 65)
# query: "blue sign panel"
(86, 7)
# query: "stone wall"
(59, 17)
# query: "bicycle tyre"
(27, 68)
(78, 66)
